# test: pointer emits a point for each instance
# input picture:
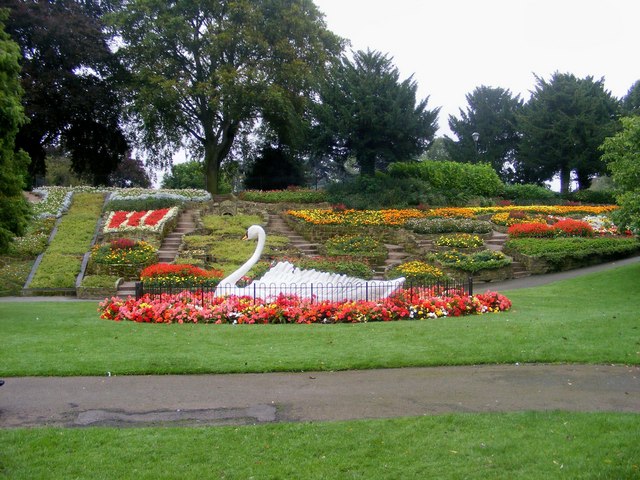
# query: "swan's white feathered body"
(285, 278)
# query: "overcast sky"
(453, 46)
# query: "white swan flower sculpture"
(285, 278)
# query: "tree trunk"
(212, 167)
(565, 179)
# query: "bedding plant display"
(418, 272)
(123, 257)
(180, 275)
(186, 307)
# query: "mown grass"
(590, 319)
(496, 446)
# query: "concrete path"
(314, 396)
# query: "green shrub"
(381, 191)
(474, 262)
(628, 215)
(452, 177)
(448, 225)
(145, 203)
(292, 195)
(99, 281)
(356, 245)
(560, 249)
(352, 268)
(597, 197)
(529, 193)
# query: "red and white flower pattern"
(148, 220)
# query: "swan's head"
(253, 232)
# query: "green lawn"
(496, 446)
(591, 319)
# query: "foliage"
(558, 250)
(622, 154)
(14, 272)
(129, 173)
(202, 74)
(383, 191)
(237, 225)
(99, 281)
(14, 211)
(451, 178)
(357, 245)
(368, 113)
(186, 307)
(492, 113)
(417, 272)
(274, 168)
(563, 124)
(631, 101)
(34, 240)
(596, 197)
(290, 195)
(169, 275)
(352, 268)
(185, 175)
(124, 251)
(70, 81)
(472, 262)
(142, 204)
(448, 225)
(459, 240)
(528, 193)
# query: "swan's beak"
(246, 237)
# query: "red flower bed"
(574, 228)
(187, 307)
(117, 219)
(170, 275)
(566, 227)
(538, 230)
(155, 216)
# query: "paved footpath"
(320, 396)
(314, 396)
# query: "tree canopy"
(562, 126)
(203, 70)
(69, 79)
(13, 165)
(492, 113)
(367, 112)
(622, 154)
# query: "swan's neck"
(242, 271)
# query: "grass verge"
(497, 446)
(590, 319)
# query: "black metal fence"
(368, 291)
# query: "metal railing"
(368, 291)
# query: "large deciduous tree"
(622, 155)
(203, 69)
(68, 75)
(13, 165)
(562, 125)
(492, 113)
(368, 113)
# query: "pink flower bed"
(187, 307)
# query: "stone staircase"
(496, 243)
(168, 248)
(276, 225)
(395, 256)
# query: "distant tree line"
(263, 91)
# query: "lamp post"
(476, 137)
